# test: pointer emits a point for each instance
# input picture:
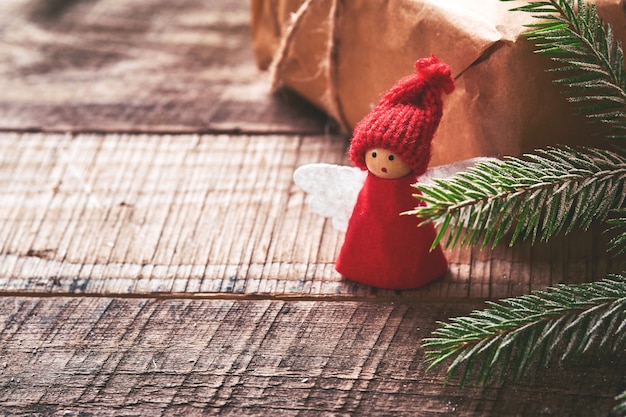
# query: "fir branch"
(538, 196)
(588, 58)
(517, 332)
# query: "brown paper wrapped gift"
(343, 54)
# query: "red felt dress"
(383, 248)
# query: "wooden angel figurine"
(391, 145)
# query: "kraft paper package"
(341, 55)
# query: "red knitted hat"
(407, 117)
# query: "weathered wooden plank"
(141, 214)
(136, 65)
(66, 356)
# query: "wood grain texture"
(70, 356)
(213, 214)
(140, 65)
(161, 174)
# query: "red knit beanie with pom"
(405, 120)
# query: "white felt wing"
(332, 189)
(449, 170)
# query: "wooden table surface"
(157, 259)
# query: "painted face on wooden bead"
(386, 164)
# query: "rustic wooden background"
(156, 258)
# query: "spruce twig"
(537, 196)
(517, 332)
(589, 62)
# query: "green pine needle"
(588, 59)
(534, 197)
(515, 333)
